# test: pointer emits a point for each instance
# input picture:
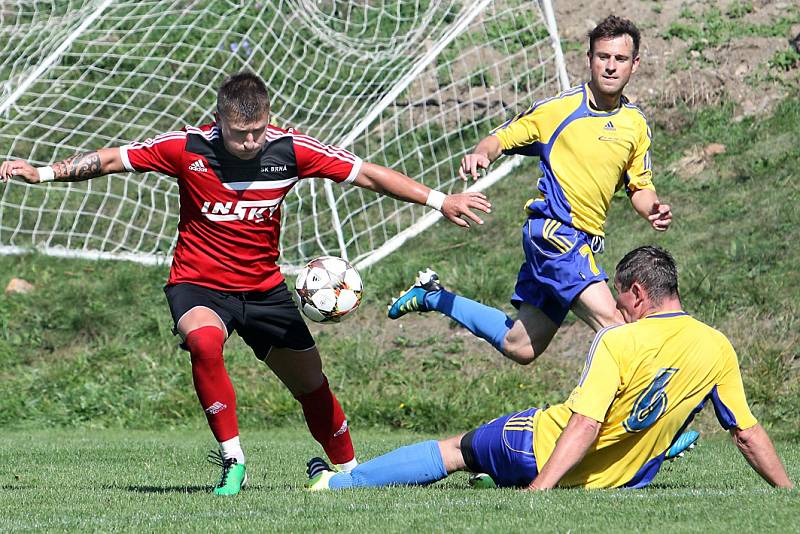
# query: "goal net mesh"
(411, 85)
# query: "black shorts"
(263, 319)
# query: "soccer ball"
(328, 289)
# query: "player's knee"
(522, 353)
(205, 342)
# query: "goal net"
(409, 84)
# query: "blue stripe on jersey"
(628, 105)
(569, 92)
(724, 414)
(592, 349)
(646, 474)
(647, 157)
(663, 315)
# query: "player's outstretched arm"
(485, 152)
(646, 203)
(579, 434)
(457, 208)
(757, 448)
(75, 169)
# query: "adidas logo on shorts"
(198, 166)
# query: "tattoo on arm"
(79, 167)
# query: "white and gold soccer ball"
(328, 289)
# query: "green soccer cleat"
(481, 481)
(319, 475)
(233, 478)
(682, 445)
(413, 298)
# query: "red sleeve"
(163, 154)
(316, 159)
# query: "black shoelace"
(215, 457)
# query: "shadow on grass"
(671, 485)
(177, 489)
(166, 489)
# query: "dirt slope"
(696, 53)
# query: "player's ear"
(635, 64)
(639, 293)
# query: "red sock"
(211, 381)
(327, 423)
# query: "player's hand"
(660, 216)
(20, 169)
(458, 208)
(471, 165)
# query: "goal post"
(411, 85)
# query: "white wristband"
(46, 174)
(435, 199)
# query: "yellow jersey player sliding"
(643, 383)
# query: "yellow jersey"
(585, 155)
(645, 381)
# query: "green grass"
(156, 481)
(711, 27)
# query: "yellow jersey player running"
(642, 384)
(591, 142)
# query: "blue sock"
(484, 321)
(413, 465)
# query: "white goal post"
(409, 84)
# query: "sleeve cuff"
(588, 413)
(123, 154)
(354, 171)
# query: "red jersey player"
(232, 176)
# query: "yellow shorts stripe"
(548, 232)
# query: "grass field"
(157, 481)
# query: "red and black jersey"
(229, 225)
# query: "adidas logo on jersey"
(198, 166)
(609, 126)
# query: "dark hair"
(243, 97)
(654, 268)
(614, 26)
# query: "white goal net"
(409, 84)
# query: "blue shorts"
(503, 449)
(559, 264)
